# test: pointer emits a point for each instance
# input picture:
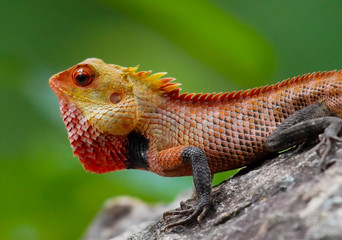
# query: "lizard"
(121, 118)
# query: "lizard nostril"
(115, 98)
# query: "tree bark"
(287, 197)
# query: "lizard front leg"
(180, 158)
(303, 126)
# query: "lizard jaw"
(96, 151)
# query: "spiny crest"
(172, 89)
(155, 81)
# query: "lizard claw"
(185, 205)
(195, 214)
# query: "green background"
(216, 45)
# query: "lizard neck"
(96, 151)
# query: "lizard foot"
(196, 214)
(327, 140)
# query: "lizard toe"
(196, 215)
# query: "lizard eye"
(83, 76)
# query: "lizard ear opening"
(115, 97)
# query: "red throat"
(96, 151)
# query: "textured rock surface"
(288, 197)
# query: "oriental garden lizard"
(118, 118)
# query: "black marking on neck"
(137, 148)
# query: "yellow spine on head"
(161, 85)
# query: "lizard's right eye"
(83, 76)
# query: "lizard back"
(232, 127)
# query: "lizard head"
(102, 92)
(100, 104)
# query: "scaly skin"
(118, 118)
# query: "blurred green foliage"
(208, 45)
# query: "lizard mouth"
(64, 93)
(56, 89)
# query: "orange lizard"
(118, 118)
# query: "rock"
(287, 197)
